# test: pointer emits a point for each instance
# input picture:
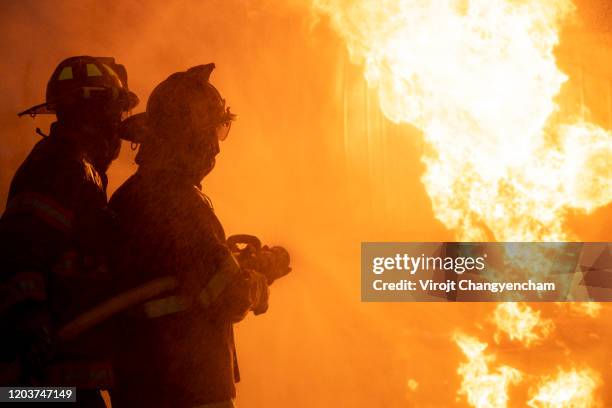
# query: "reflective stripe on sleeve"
(44, 208)
(117, 304)
(165, 306)
(227, 270)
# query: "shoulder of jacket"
(127, 194)
(54, 167)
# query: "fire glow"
(573, 388)
(480, 80)
(520, 322)
(482, 386)
(486, 384)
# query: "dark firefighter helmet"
(77, 79)
(176, 103)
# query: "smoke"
(281, 174)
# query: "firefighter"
(55, 229)
(178, 348)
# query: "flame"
(521, 322)
(479, 79)
(412, 384)
(482, 387)
(573, 388)
(590, 309)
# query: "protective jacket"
(53, 236)
(177, 349)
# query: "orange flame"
(590, 309)
(520, 322)
(479, 79)
(483, 387)
(573, 388)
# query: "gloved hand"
(248, 292)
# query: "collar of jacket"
(168, 175)
(86, 141)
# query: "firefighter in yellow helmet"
(177, 347)
(54, 233)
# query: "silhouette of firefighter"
(177, 347)
(54, 233)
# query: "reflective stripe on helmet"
(92, 91)
(93, 70)
(74, 73)
(44, 208)
(66, 73)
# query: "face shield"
(222, 127)
(222, 130)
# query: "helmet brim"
(135, 128)
(45, 108)
(132, 100)
(42, 109)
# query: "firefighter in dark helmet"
(178, 347)
(53, 233)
